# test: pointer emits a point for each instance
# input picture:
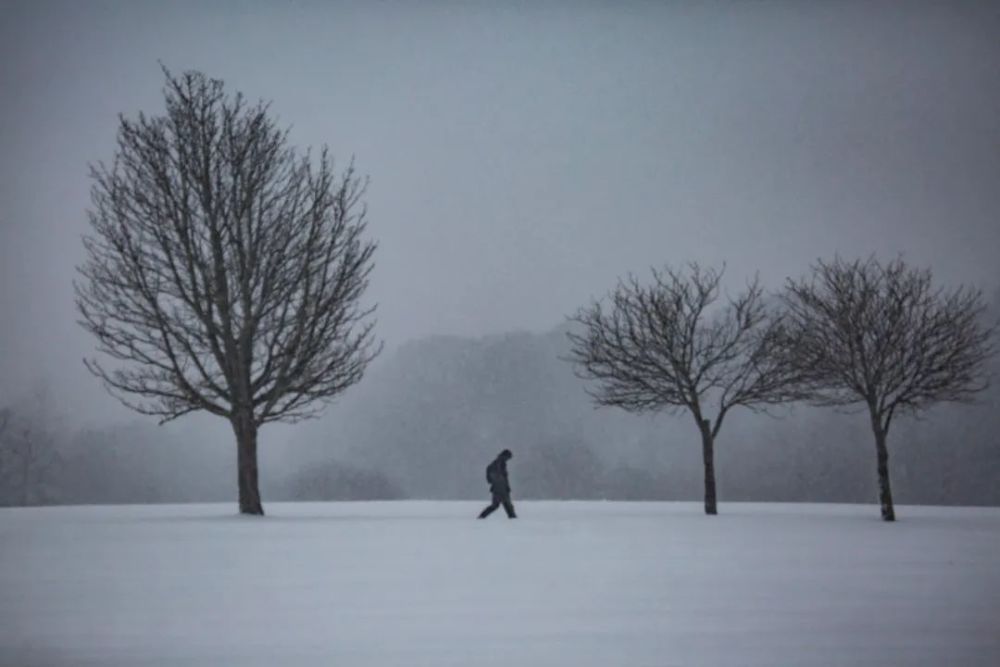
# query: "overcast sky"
(522, 156)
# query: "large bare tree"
(224, 269)
(663, 346)
(882, 336)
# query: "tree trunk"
(246, 463)
(708, 455)
(884, 490)
(26, 470)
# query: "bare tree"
(7, 456)
(881, 335)
(224, 270)
(28, 451)
(658, 346)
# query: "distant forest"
(432, 413)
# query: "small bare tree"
(29, 453)
(7, 464)
(224, 270)
(881, 335)
(658, 347)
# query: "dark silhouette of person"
(496, 475)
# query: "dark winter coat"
(496, 475)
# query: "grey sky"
(522, 157)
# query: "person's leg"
(508, 507)
(491, 507)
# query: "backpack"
(494, 476)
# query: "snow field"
(576, 584)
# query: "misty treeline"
(43, 461)
(430, 414)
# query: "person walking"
(496, 475)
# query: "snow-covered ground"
(423, 583)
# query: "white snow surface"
(576, 584)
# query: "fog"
(433, 412)
(521, 159)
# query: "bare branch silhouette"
(661, 347)
(224, 270)
(881, 335)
